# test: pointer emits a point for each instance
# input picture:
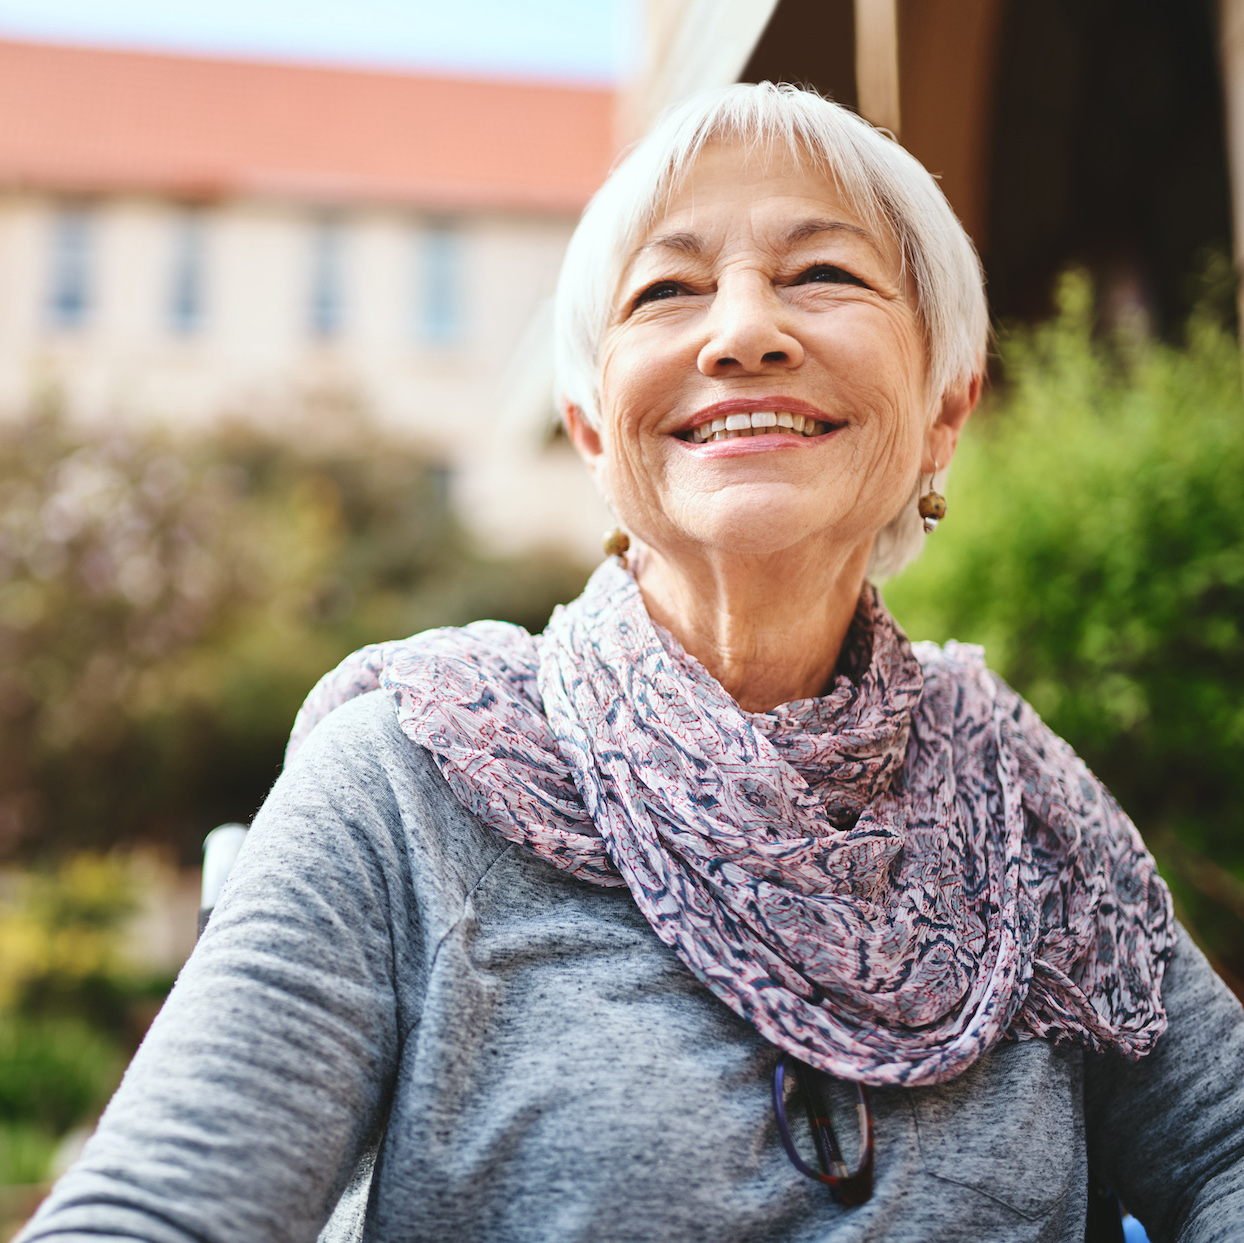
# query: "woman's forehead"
(721, 165)
(758, 159)
(793, 193)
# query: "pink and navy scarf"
(884, 881)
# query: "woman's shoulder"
(359, 784)
(367, 725)
(359, 752)
(361, 728)
(963, 694)
(952, 661)
(959, 682)
(421, 661)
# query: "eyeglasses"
(847, 1186)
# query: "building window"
(439, 285)
(69, 291)
(187, 276)
(327, 279)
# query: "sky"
(572, 40)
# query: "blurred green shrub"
(54, 1073)
(71, 1006)
(26, 1155)
(165, 604)
(61, 936)
(1095, 546)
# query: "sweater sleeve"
(264, 1078)
(1167, 1132)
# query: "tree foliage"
(1094, 547)
(165, 604)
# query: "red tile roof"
(87, 120)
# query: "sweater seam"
(466, 898)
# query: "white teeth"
(707, 431)
(756, 423)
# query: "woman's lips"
(771, 417)
(762, 442)
(744, 424)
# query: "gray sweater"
(387, 981)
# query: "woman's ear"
(957, 405)
(587, 440)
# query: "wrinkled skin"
(760, 284)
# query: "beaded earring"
(932, 505)
(617, 542)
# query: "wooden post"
(876, 63)
(1231, 49)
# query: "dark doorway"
(1107, 151)
(1065, 132)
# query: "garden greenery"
(71, 1005)
(1095, 547)
(166, 604)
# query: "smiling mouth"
(759, 423)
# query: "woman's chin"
(756, 530)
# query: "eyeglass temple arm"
(853, 1188)
(827, 1149)
(779, 1108)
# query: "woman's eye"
(655, 293)
(828, 274)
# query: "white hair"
(876, 177)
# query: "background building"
(184, 238)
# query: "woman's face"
(761, 293)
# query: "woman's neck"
(768, 628)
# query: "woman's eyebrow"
(692, 244)
(682, 242)
(811, 228)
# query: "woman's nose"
(748, 329)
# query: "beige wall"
(255, 352)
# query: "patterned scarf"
(883, 881)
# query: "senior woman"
(552, 937)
